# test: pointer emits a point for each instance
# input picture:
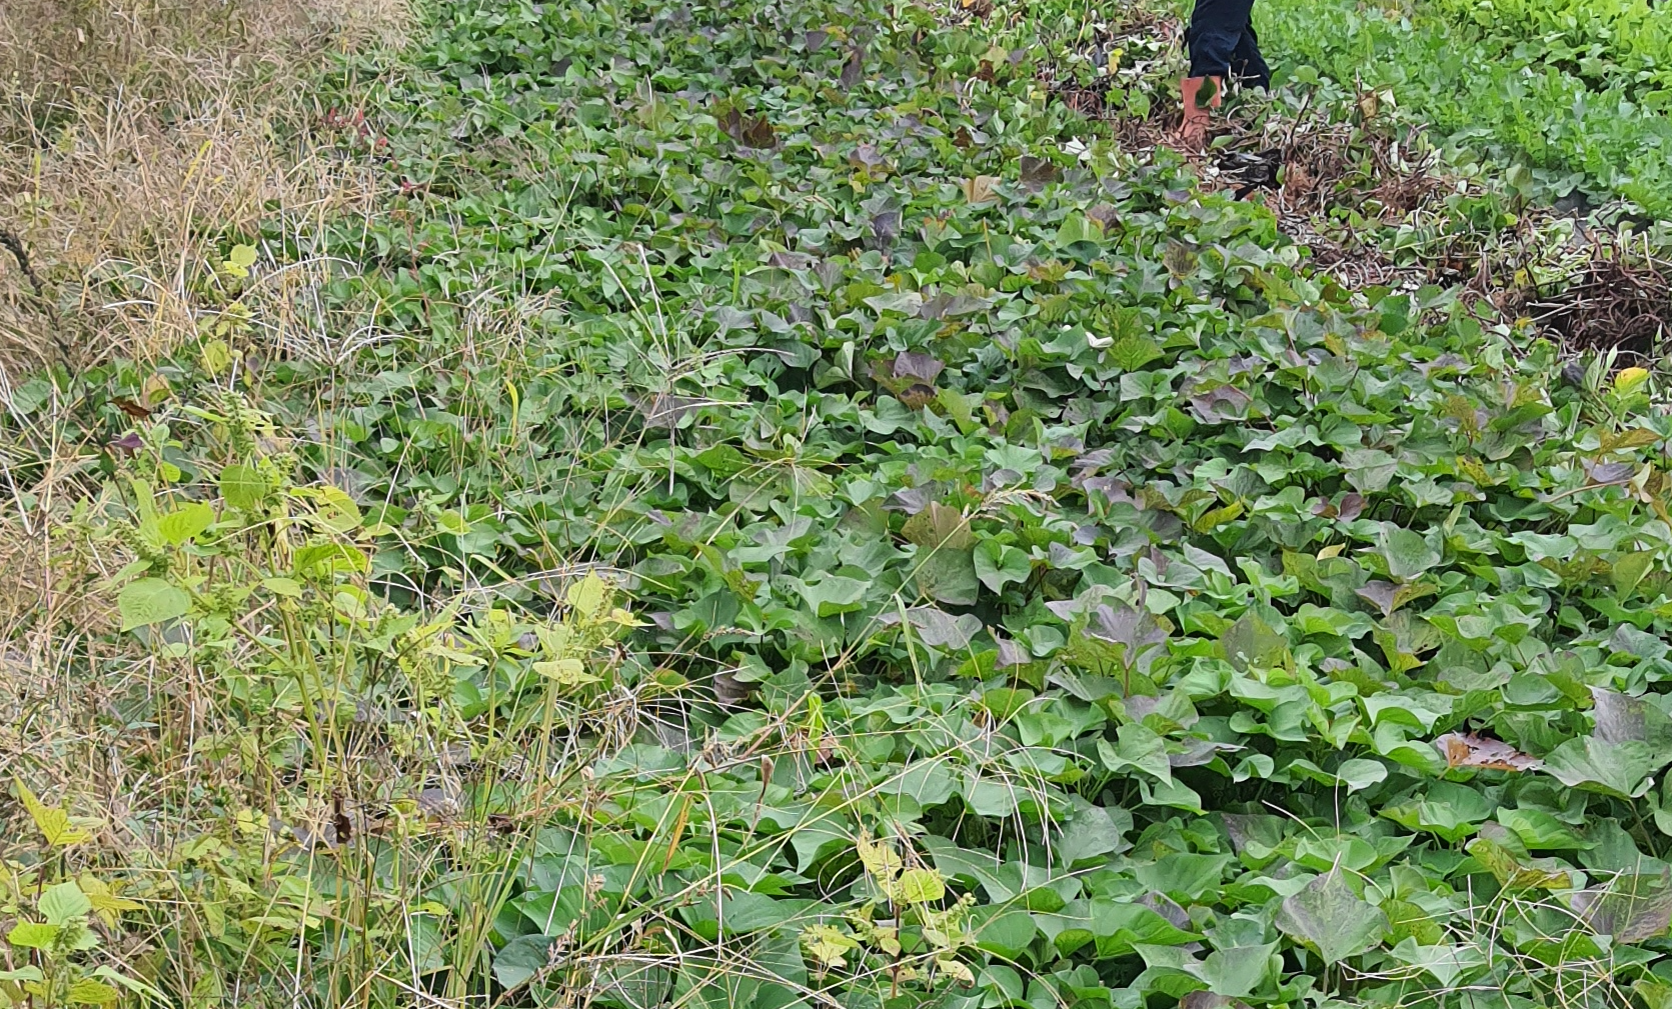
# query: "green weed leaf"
(149, 601)
(1331, 919)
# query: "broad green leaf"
(63, 901)
(834, 594)
(1183, 876)
(185, 522)
(1446, 963)
(1629, 571)
(1004, 702)
(940, 629)
(928, 782)
(521, 959)
(991, 796)
(1512, 875)
(1117, 926)
(33, 934)
(1238, 971)
(745, 911)
(1449, 811)
(1408, 921)
(288, 588)
(1170, 793)
(1093, 833)
(1001, 931)
(998, 565)
(1133, 351)
(1624, 769)
(1407, 553)
(1353, 775)
(1656, 994)
(1537, 829)
(1331, 919)
(150, 601)
(1137, 747)
(948, 575)
(243, 487)
(338, 513)
(1251, 643)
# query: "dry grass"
(133, 135)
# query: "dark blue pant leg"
(1222, 42)
(1247, 64)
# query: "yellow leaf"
(887, 940)
(956, 969)
(454, 655)
(921, 886)
(1333, 550)
(217, 357)
(1217, 517)
(107, 903)
(625, 618)
(827, 944)
(588, 596)
(237, 263)
(54, 824)
(879, 859)
(90, 992)
(1637, 437)
(1630, 380)
(569, 672)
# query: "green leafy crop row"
(1039, 587)
(1570, 90)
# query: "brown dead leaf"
(731, 123)
(924, 368)
(1467, 750)
(917, 396)
(1037, 173)
(939, 526)
(979, 189)
(854, 70)
(131, 408)
(759, 134)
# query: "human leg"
(1216, 34)
(1247, 65)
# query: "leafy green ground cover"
(1576, 91)
(831, 527)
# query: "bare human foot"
(1193, 131)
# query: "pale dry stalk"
(135, 136)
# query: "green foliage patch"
(1576, 91)
(1044, 588)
